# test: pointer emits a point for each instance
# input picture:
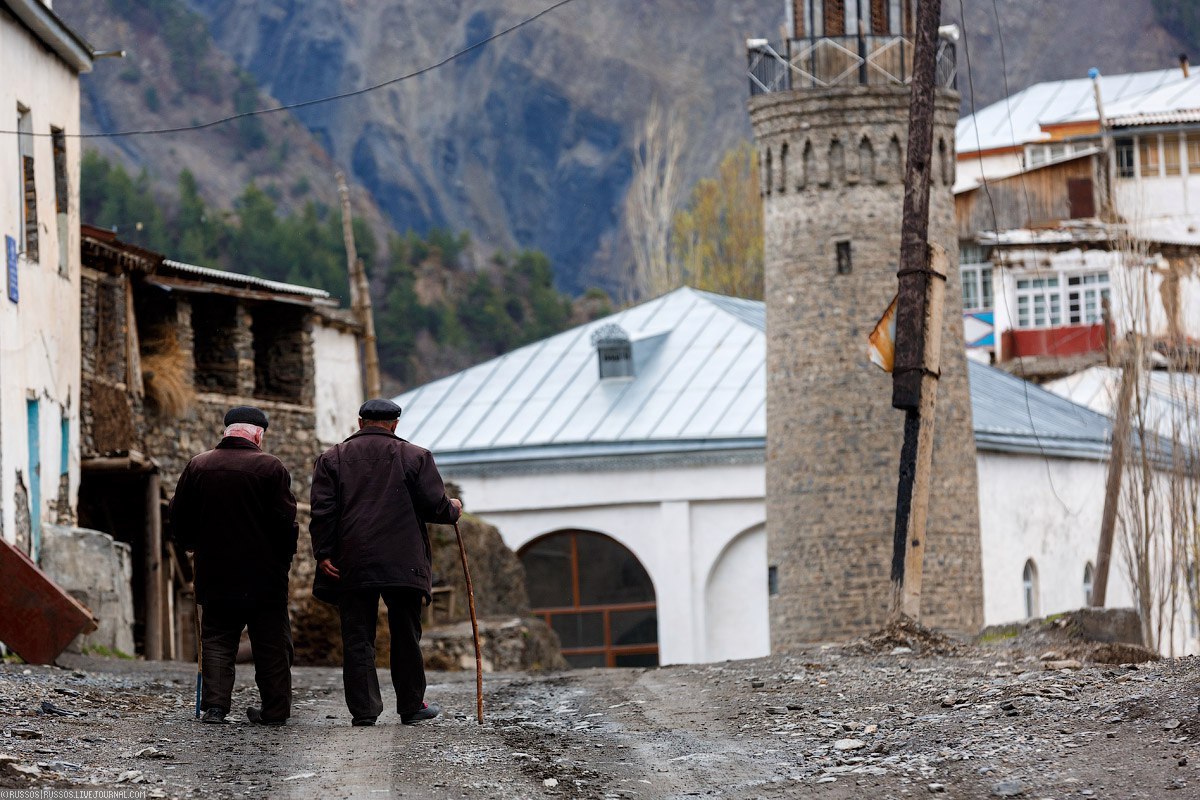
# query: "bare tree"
(654, 195)
(1158, 509)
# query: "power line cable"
(313, 101)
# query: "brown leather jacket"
(371, 497)
(234, 507)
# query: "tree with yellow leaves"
(717, 238)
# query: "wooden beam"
(921, 279)
(906, 592)
(1116, 470)
(153, 572)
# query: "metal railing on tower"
(836, 61)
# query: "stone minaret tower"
(830, 117)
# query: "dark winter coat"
(234, 507)
(371, 497)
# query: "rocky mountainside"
(524, 142)
(174, 76)
(1027, 41)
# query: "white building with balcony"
(1060, 209)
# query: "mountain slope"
(174, 76)
(525, 141)
(1044, 41)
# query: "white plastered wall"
(699, 533)
(39, 334)
(339, 390)
(680, 523)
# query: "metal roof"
(1171, 404)
(1018, 120)
(224, 276)
(1013, 415)
(699, 389)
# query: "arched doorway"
(596, 596)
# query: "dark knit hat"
(246, 414)
(379, 409)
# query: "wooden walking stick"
(199, 643)
(462, 551)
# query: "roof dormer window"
(614, 351)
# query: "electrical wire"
(995, 223)
(314, 101)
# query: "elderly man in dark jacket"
(371, 498)
(234, 507)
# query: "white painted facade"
(518, 434)
(338, 380)
(699, 532)
(39, 330)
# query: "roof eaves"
(590, 450)
(1046, 446)
(224, 276)
(54, 33)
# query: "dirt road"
(826, 723)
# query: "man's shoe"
(254, 714)
(426, 711)
(214, 716)
(362, 722)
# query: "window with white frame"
(977, 287)
(1085, 297)
(1057, 299)
(1039, 302)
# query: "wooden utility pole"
(360, 294)
(922, 277)
(1116, 470)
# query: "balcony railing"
(831, 61)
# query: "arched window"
(896, 160)
(837, 163)
(808, 167)
(1029, 583)
(596, 596)
(783, 165)
(1089, 576)
(866, 161)
(770, 176)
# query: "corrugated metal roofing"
(1013, 415)
(225, 276)
(1175, 101)
(700, 386)
(1018, 119)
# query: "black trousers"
(271, 639)
(359, 609)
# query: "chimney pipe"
(1183, 65)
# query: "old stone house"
(167, 349)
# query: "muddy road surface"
(829, 722)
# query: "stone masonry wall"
(833, 173)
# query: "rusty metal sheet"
(37, 618)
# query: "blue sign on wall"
(10, 249)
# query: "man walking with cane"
(234, 507)
(372, 496)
